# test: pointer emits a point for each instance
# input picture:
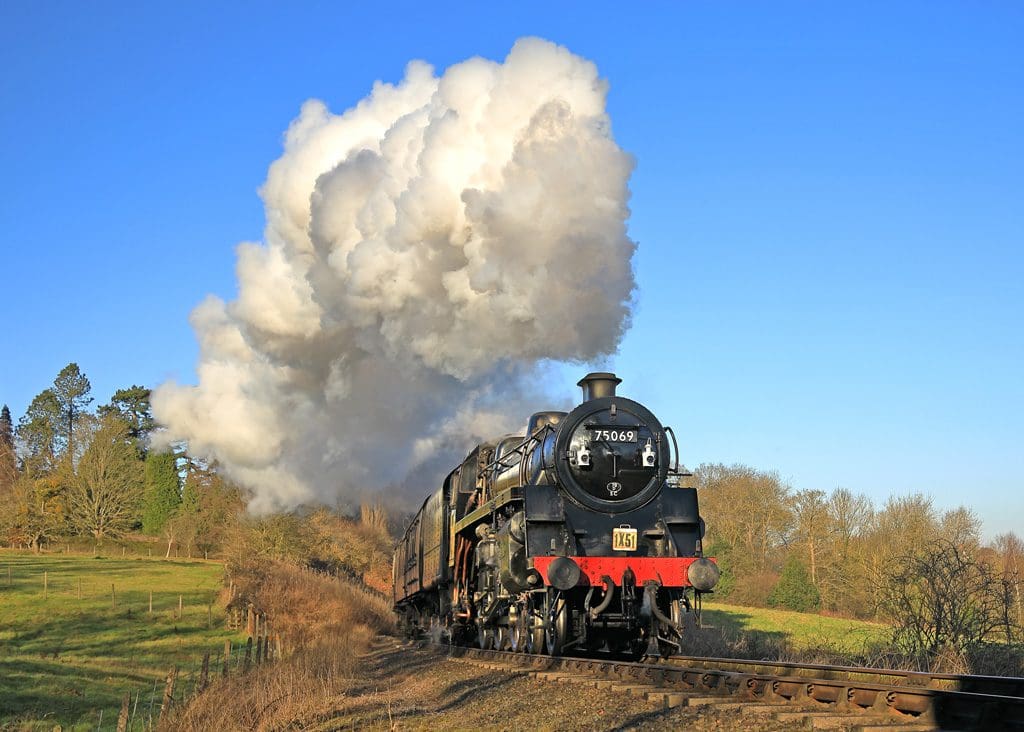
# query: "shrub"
(794, 590)
(942, 600)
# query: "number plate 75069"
(623, 539)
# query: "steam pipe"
(609, 587)
(652, 588)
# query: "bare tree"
(104, 497)
(942, 596)
(1011, 558)
(843, 572)
(749, 519)
(813, 526)
(850, 516)
(962, 527)
(34, 510)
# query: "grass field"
(66, 658)
(798, 631)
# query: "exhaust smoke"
(426, 253)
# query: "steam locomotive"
(581, 535)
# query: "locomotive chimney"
(599, 384)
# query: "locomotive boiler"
(580, 535)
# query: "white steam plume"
(424, 252)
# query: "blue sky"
(828, 203)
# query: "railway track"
(805, 695)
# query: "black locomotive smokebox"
(563, 573)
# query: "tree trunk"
(170, 543)
(814, 572)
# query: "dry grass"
(306, 607)
(324, 624)
(279, 694)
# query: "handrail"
(494, 467)
(675, 448)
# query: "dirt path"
(420, 689)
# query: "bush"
(943, 600)
(794, 590)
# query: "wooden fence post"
(151, 602)
(248, 654)
(179, 607)
(113, 597)
(209, 615)
(122, 718)
(79, 588)
(204, 675)
(250, 621)
(165, 706)
(46, 585)
(259, 649)
(227, 657)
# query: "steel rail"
(996, 685)
(751, 682)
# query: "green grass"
(799, 631)
(64, 659)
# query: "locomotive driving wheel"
(533, 626)
(684, 625)
(519, 628)
(485, 636)
(670, 635)
(502, 638)
(556, 626)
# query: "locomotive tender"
(580, 535)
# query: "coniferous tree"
(794, 590)
(71, 390)
(163, 491)
(209, 505)
(132, 405)
(38, 430)
(6, 427)
(8, 460)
